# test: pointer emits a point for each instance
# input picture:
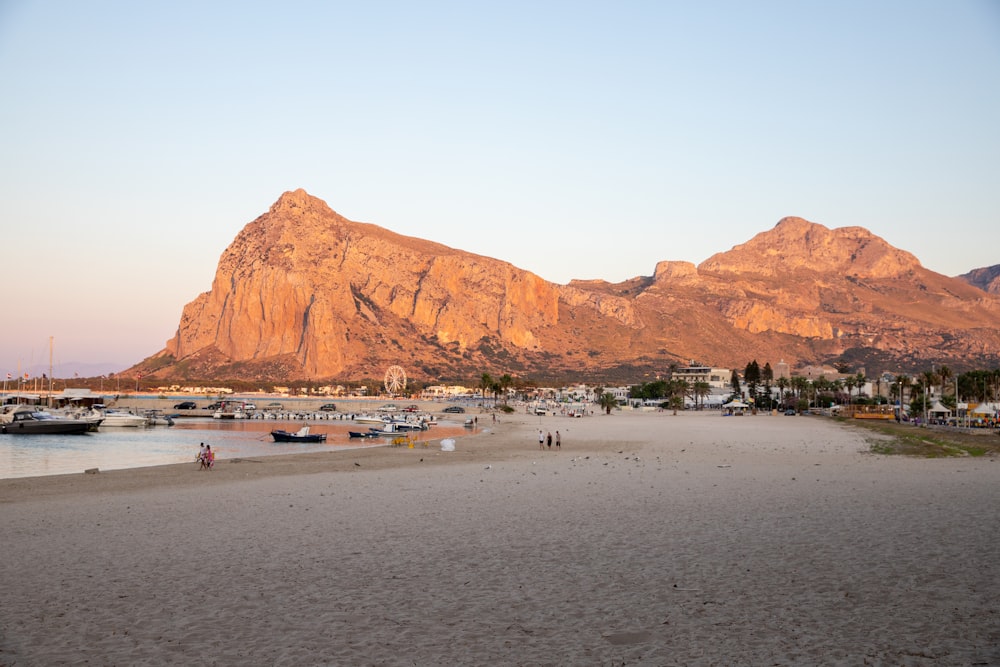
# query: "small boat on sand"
(359, 434)
(302, 435)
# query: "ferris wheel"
(395, 380)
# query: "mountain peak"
(798, 244)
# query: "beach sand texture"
(650, 539)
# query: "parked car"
(789, 413)
(454, 408)
(328, 407)
(214, 406)
(274, 406)
(186, 405)
(411, 408)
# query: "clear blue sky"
(572, 139)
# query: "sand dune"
(650, 539)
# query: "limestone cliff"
(305, 293)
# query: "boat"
(389, 428)
(233, 410)
(27, 420)
(404, 425)
(157, 418)
(302, 435)
(369, 419)
(359, 434)
(89, 415)
(120, 418)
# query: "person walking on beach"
(549, 438)
(209, 457)
(558, 440)
(541, 439)
(201, 456)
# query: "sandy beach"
(649, 539)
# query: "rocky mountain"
(986, 279)
(303, 293)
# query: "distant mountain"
(303, 293)
(986, 279)
(72, 369)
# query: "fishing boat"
(389, 428)
(302, 435)
(404, 425)
(360, 434)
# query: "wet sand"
(649, 539)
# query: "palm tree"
(783, 383)
(701, 390)
(607, 401)
(505, 383)
(859, 382)
(485, 382)
(800, 385)
(944, 374)
(680, 388)
(850, 383)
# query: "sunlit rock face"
(303, 293)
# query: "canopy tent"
(735, 404)
(986, 409)
(938, 409)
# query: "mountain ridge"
(302, 292)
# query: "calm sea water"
(118, 448)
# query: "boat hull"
(286, 436)
(47, 426)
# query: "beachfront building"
(442, 391)
(716, 378)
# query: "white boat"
(369, 419)
(389, 428)
(90, 415)
(404, 425)
(232, 410)
(125, 419)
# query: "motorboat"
(90, 415)
(124, 419)
(360, 434)
(369, 419)
(302, 435)
(233, 410)
(28, 420)
(157, 418)
(389, 428)
(404, 425)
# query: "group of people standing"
(544, 440)
(206, 457)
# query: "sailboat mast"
(51, 343)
